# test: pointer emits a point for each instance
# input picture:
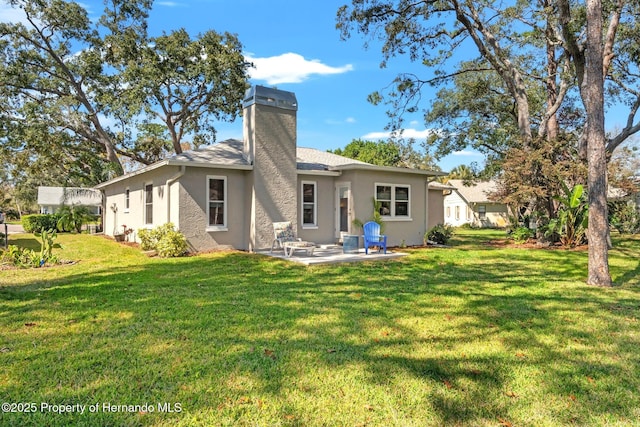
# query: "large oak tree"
(87, 85)
(522, 44)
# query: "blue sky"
(296, 47)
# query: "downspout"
(168, 189)
(426, 208)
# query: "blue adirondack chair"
(372, 237)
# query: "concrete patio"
(333, 254)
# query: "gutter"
(170, 181)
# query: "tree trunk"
(593, 98)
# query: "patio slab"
(332, 255)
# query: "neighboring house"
(51, 199)
(231, 193)
(471, 205)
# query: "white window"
(457, 212)
(309, 204)
(148, 203)
(394, 200)
(448, 211)
(482, 212)
(216, 203)
(126, 200)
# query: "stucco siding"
(193, 201)
(436, 211)
(324, 231)
(270, 135)
(116, 214)
(408, 230)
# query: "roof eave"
(169, 162)
(318, 172)
(355, 166)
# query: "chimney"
(269, 131)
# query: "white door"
(343, 209)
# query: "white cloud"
(406, 133)
(466, 153)
(170, 3)
(290, 68)
(348, 120)
(11, 14)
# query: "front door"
(343, 209)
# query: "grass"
(474, 334)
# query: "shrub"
(521, 235)
(38, 222)
(164, 239)
(172, 244)
(624, 216)
(25, 258)
(439, 234)
(72, 218)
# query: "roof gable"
(476, 193)
(58, 196)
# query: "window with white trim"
(457, 212)
(309, 204)
(394, 200)
(448, 211)
(217, 202)
(148, 203)
(127, 195)
(482, 212)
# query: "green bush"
(624, 216)
(38, 222)
(521, 235)
(172, 244)
(439, 234)
(164, 239)
(25, 258)
(72, 218)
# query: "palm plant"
(573, 215)
(73, 218)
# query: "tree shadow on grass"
(221, 333)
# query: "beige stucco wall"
(324, 232)
(436, 209)
(134, 217)
(270, 138)
(193, 202)
(412, 230)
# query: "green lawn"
(475, 334)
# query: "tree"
(52, 71)
(527, 41)
(463, 172)
(377, 153)
(187, 84)
(387, 153)
(83, 84)
(592, 92)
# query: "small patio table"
(290, 247)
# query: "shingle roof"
(312, 159)
(228, 152)
(477, 193)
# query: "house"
(51, 199)
(470, 204)
(230, 194)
